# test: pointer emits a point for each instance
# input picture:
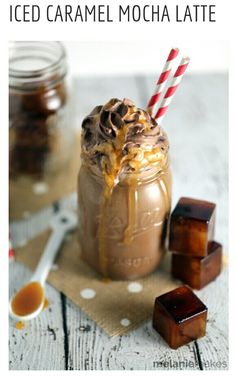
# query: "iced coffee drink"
(124, 190)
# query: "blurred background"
(125, 57)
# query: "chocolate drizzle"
(118, 133)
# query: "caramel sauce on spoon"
(28, 299)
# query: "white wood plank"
(143, 349)
(214, 347)
(40, 345)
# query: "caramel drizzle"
(102, 233)
(112, 165)
(164, 188)
(132, 201)
(111, 179)
(20, 325)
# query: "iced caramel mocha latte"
(124, 190)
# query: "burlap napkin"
(24, 199)
(116, 306)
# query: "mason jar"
(40, 134)
(124, 236)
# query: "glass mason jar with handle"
(124, 191)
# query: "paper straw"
(171, 90)
(11, 253)
(162, 81)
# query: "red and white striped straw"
(11, 253)
(171, 90)
(160, 84)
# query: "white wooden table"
(63, 337)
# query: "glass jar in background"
(41, 135)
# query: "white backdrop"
(143, 57)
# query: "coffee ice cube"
(179, 317)
(192, 226)
(197, 272)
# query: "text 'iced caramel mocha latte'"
(124, 190)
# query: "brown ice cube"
(192, 226)
(179, 317)
(197, 272)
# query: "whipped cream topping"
(118, 137)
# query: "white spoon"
(33, 292)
